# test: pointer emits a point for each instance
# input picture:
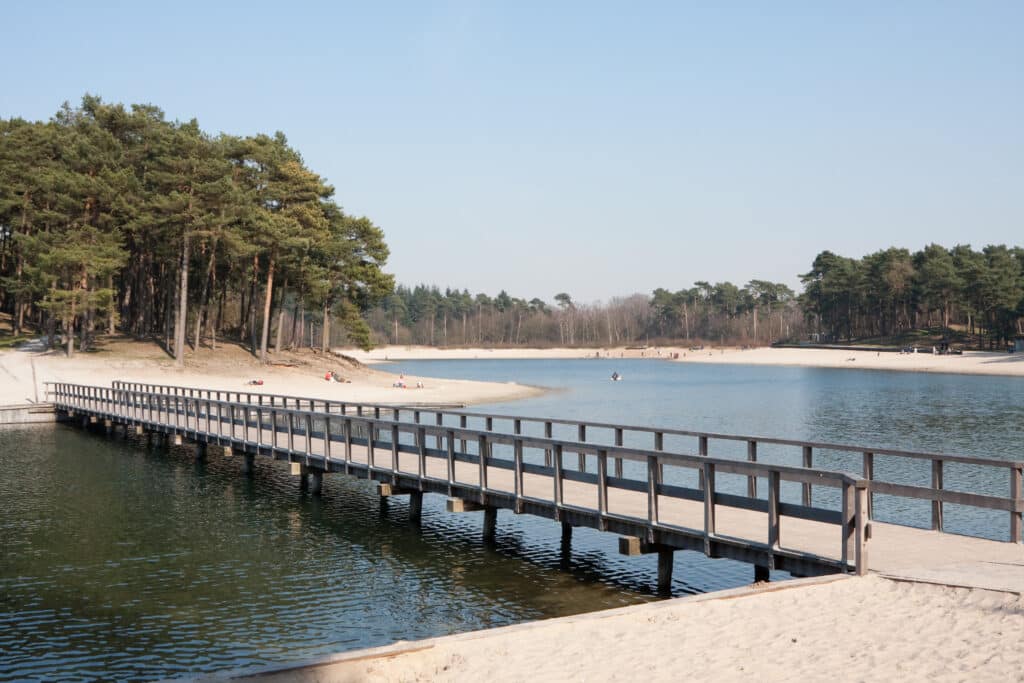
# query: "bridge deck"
(800, 539)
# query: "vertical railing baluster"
(1017, 495)
(752, 479)
(937, 486)
(708, 469)
(807, 459)
(556, 455)
(869, 474)
(618, 460)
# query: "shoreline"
(23, 373)
(869, 628)
(970, 363)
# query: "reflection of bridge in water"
(806, 521)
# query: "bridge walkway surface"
(643, 502)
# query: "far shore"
(969, 363)
(23, 375)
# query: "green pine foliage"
(114, 219)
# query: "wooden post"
(517, 472)
(1017, 494)
(556, 455)
(394, 451)
(774, 529)
(752, 479)
(421, 456)
(869, 474)
(463, 422)
(327, 440)
(451, 460)
(346, 432)
(316, 480)
(665, 561)
(547, 451)
(439, 421)
(659, 445)
(709, 506)
(490, 523)
(581, 432)
(415, 505)
(848, 524)
(652, 489)
(618, 461)
(602, 487)
(702, 449)
(482, 449)
(808, 461)
(861, 509)
(937, 504)
(371, 433)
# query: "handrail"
(1014, 503)
(820, 445)
(132, 405)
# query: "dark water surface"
(119, 561)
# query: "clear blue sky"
(595, 148)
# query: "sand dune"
(23, 373)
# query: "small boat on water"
(616, 377)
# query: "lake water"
(121, 561)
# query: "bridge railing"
(937, 493)
(293, 430)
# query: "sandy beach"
(969, 363)
(22, 374)
(862, 629)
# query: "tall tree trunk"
(203, 304)
(280, 317)
(182, 317)
(266, 311)
(325, 334)
(113, 307)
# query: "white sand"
(870, 629)
(230, 368)
(970, 363)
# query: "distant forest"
(115, 220)
(975, 296)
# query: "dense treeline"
(974, 294)
(760, 312)
(114, 218)
(887, 293)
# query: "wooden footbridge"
(647, 496)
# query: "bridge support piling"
(566, 533)
(108, 427)
(416, 506)
(248, 462)
(315, 482)
(666, 556)
(177, 439)
(490, 523)
(201, 450)
(761, 574)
